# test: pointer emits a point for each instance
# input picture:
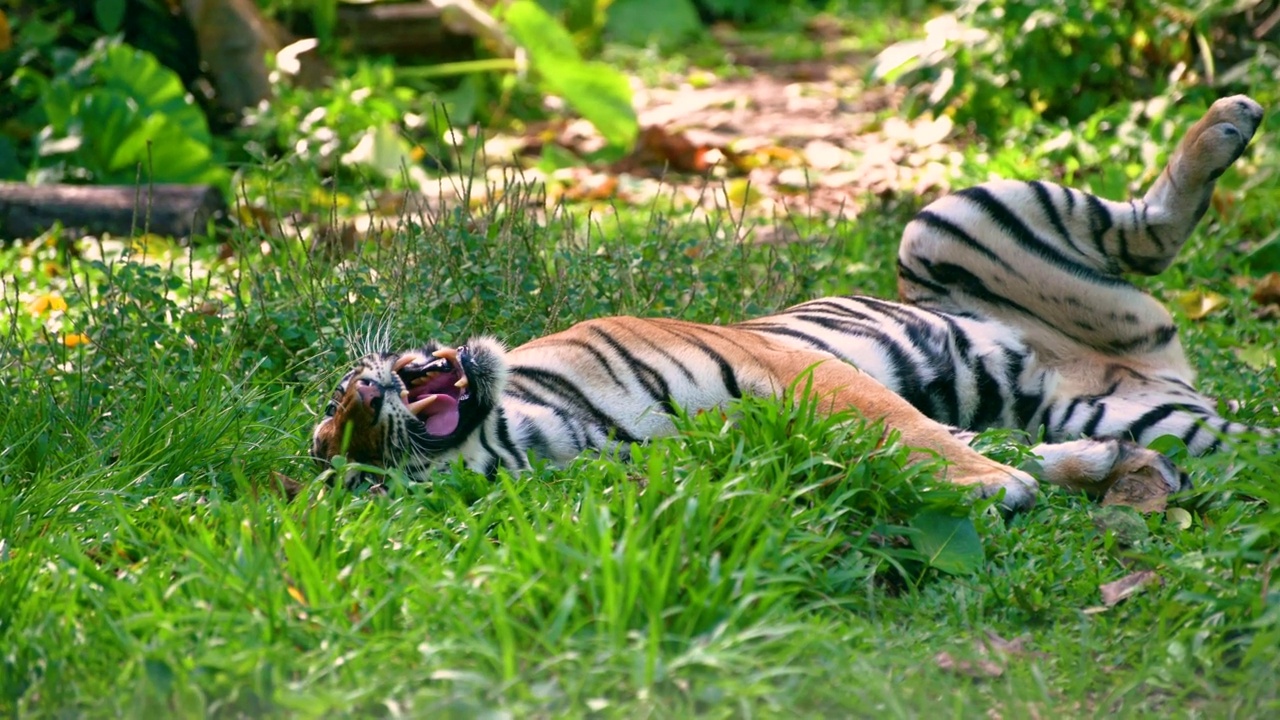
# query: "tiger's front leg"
(1093, 465)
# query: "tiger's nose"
(371, 392)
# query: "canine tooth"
(449, 354)
(404, 394)
(462, 382)
(402, 361)
(422, 404)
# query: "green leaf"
(324, 15)
(950, 544)
(154, 87)
(537, 32)
(109, 14)
(599, 93)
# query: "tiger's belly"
(970, 373)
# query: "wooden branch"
(174, 210)
(405, 30)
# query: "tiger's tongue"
(441, 416)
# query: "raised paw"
(1220, 137)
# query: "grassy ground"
(148, 568)
(774, 568)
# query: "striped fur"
(1014, 314)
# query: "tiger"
(1013, 312)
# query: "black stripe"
(1150, 419)
(1091, 426)
(905, 273)
(907, 380)
(1100, 223)
(567, 390)
(600, 358)
(652, 380)
(1150, 229)
(769, 328)
(1051, 210)
(946, 226)
(1029, 241)
(1026, 406)
(571, 423)
(537, 440)
(727, 375)
(670, 358)
(506, 441)
(484, 443)
(1189, 436)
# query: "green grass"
(769, 567)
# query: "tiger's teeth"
(449, 354)
(404, 394)
(422, 404)
(462, 382)
(404, 360)
(418, 381)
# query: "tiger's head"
(413, 408)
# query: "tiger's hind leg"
(1049, 260)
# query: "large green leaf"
(119, 110)
(539, 33)
(154, 87)
(950, 544)
(599, 93)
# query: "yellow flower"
(75, 339)
(46, 303)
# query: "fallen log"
(173, 210)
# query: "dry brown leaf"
(593, 187)
(1016, 646)
(658, 146)
(980, 668)
(1114, 592)
(1144, 490)
(1267, 291)
(280, 485)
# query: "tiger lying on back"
(1016, 316)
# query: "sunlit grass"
(761, 567)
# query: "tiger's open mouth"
(433, 390)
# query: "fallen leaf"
(1143, 490)
(1114, 592)
(593, 187)
(48, 302)
(980, 668)
(1267, 291)
(1256, 356)
(824, 155)
(1179, 517)
(1197, 304)
(1016, 646)
(296, 594)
